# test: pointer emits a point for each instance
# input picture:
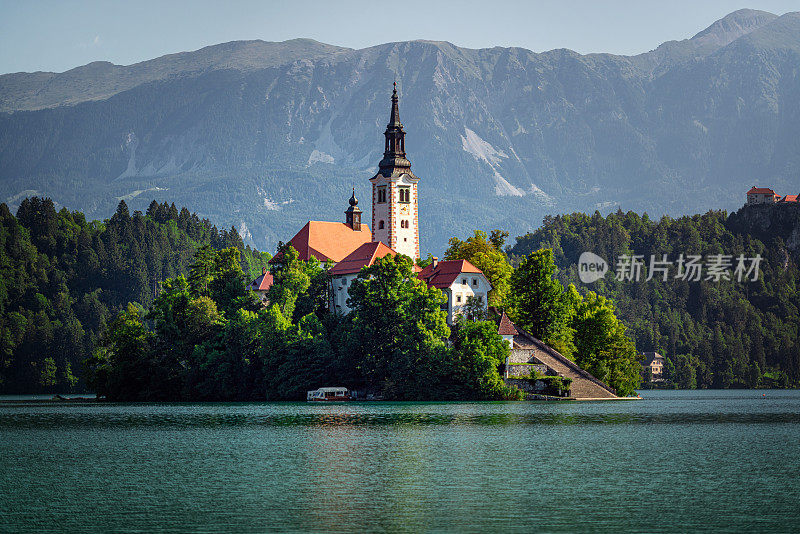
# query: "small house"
(262, 284)
(654, 363)
(461, 282)
(343, 273)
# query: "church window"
(404, 193)
(380, 225)
(382, 194)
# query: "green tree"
(537, 299)
(69, 379)
(122, 369)
(473, 364)
(290, 280)
(398, 329)
(685, 375)
(601, 345)
(47, 375)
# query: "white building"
(762, 195)
(460, 281)
(343, 273)
(507, 330)
(262, 284)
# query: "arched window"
(404, 194)
(380, 225)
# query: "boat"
(329, 394)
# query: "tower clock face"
(404, 210)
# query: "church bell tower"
(395, 213)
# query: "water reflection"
(49, 419)
(695, 460)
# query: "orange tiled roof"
(791, 198)
(760, 191)
(446, 272)
(328, 240)
(363, 256)
(263, 282)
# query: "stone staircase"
(529, 350)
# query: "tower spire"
(395, 207)
(352, 215)
(394, 154)
(394, 120)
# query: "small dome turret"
(352, 215)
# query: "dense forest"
(63, 279)
(714, 334)
(154, 306)
(207, 338)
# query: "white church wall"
(465, 286)
(340, 288)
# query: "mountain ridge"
(500, 136)
(746, 20)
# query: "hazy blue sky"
(59, 35)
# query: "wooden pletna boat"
(329, 394)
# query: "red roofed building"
(791, 198)
(343, 273)
(460, 281)
(328, 240)
(262, 284)
(507, 329)
(762, 195)
(395, 215)
(395, 210)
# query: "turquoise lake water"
(675, 461)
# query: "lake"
(674, 461)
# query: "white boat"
(328, 394)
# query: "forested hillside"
(715, 334)
(63, 278)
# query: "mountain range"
(267, 135)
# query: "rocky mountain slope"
(268, 135)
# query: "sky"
(57, 35)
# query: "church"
(351, 246)
(395, 230)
